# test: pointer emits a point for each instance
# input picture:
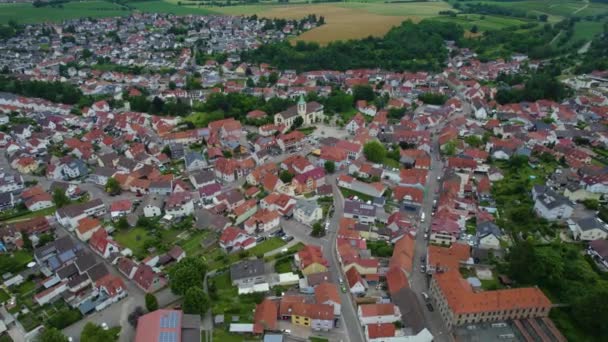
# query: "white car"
(104, 326)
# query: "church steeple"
(301, 106)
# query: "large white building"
(310, 113)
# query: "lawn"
(283, 265)
(26, 13)
(25, 288)
(4, 296)
(226, 300)
(192, 245)
(134, 239)
(391, 163)
(260, 249)
(307, 130)
(220, 334)
(348, 193)
(31, 214)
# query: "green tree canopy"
(195, 301)
(51, 335)
(60, 198)
(374, 151)
(286, 176)
(95, 333)
(113, 187)
(189, 272)
(151, 302)
(330, 166)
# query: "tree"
(317, 230)
(195, 301)
(172, 85)
(51, 335)
(473, 140)
(363, 92)
(113, 187)
(286, 176)
(151, 302)
(250, 83)
(134, 316)
(122, 223)
(60, 198)
(187, 273)
(330, 166)
(374, 151)
(449, 148)
(95, 333)
(297, 122)
(474, 29)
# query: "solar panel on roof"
(169, 320)
(167, 336)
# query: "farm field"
(26, 13)
(559, 8)
(344, 21)
(483, 23)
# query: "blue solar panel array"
(170, 320)
(167, 336)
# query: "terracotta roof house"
(265, 317)
(310, 260)
(327, 293)
(86, 227)
(168, 325)
(148, 280)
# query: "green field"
(160, 6)
(483, 23)
(559, 8)
(26, 13)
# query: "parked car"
(287, 238)
(430, 307)
(260, 239)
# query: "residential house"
(551, 205)
(194, 161)
(598, 250)
(235, 239)
(120, 208)
(356, 283)
(263, 220)
(308, 181)
(488, 236)
(153, 205)
(364, 213)
(86, 227)
(202, 178)
(248, 273)
(265, 316)
(101, 243)
(168, 325)
(588, 228)
(378, 313)
(310, 260)
(327, 293)
(179, 204)
(307, 212)
(69, 215)
(148, 280)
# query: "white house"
(179, 204)
(307, 212)
(588, 229)
(551, 205)
(378, 313)
(488, 236)
(153, 206)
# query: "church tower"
(301, 106)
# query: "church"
(310, 112)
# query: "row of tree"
(406, 47)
